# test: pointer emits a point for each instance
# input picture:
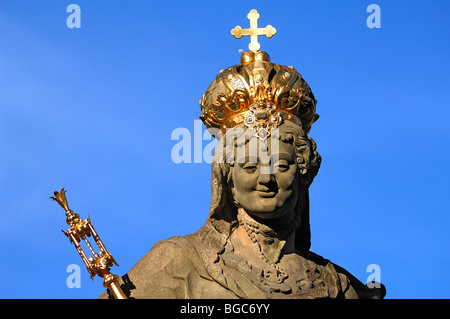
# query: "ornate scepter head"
(98, 263)
(72, 218)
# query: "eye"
(282, 165)
(250, 167)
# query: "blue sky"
(93, 110)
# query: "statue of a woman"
(255, 242)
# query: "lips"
(266, 193)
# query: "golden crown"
(258, 93)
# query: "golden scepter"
(97, 264)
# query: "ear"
(308, 159)
(314, 161)
(302, 152)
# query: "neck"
(273, 237)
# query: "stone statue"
(256, 240)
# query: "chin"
(265, 215)
(265, 211)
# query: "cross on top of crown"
(254, 31)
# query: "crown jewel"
(259, 94)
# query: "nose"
(266, 178)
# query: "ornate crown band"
(259, 94)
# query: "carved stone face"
(265, 182)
